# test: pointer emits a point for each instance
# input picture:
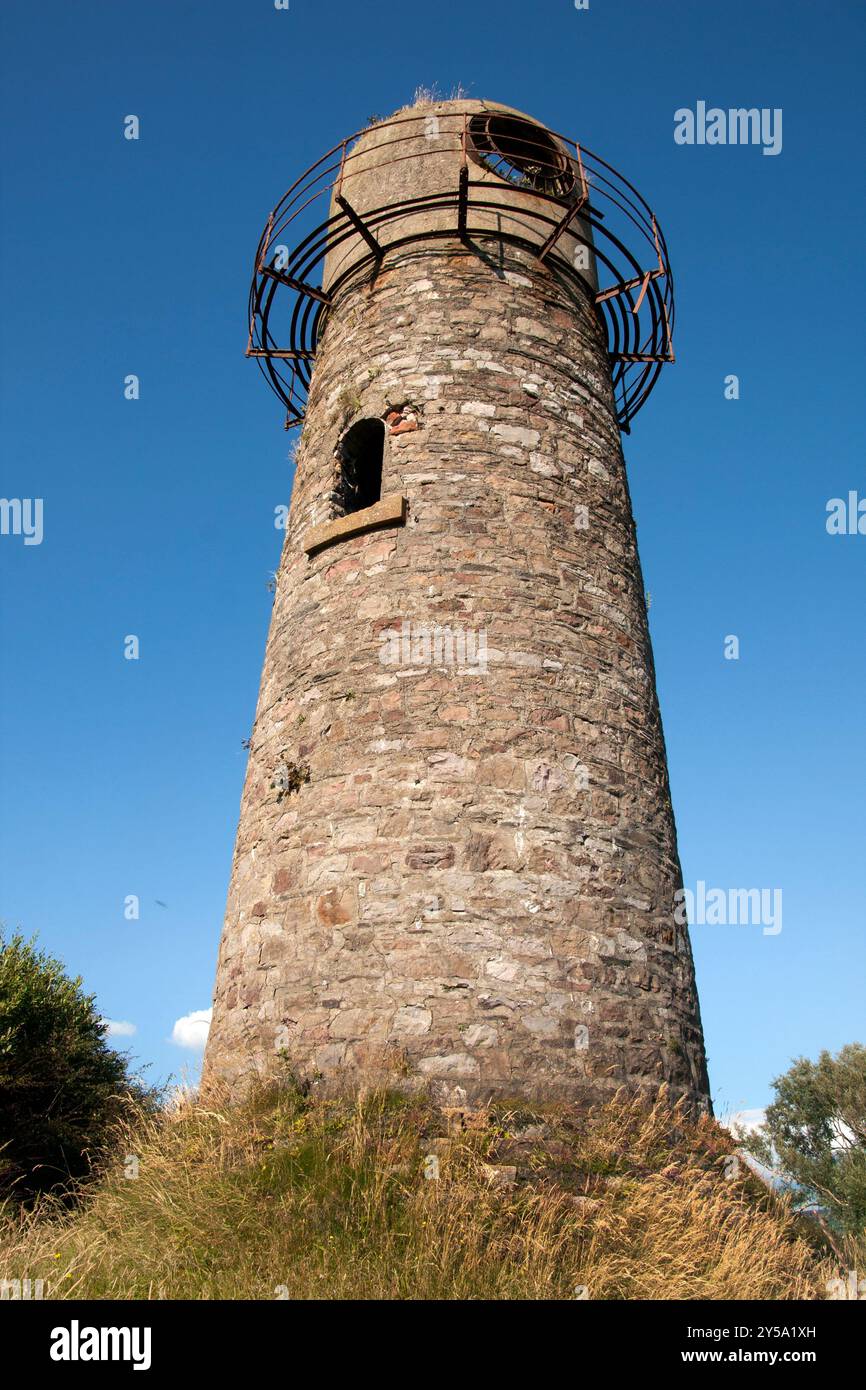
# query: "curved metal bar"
(635, 302)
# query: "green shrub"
(815, 1134)
(61, 1086)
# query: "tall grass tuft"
(301, 1197)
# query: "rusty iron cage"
(563, 182)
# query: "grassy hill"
(387, 1196)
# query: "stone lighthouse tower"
(456, 863)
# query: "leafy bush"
(61, 1085)
(815, 1133)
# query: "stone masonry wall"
(461, 878)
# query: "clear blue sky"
(122, 257)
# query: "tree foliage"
(61, 1085)
(815, 1133)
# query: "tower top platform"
(472, 172)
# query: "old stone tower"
(456, 860)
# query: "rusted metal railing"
(566, 187)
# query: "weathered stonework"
(475, 887)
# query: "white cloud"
(843, 1137)
(116, 1028)
(192, 1030)
(744, 1121)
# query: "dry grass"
(303, 1198)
